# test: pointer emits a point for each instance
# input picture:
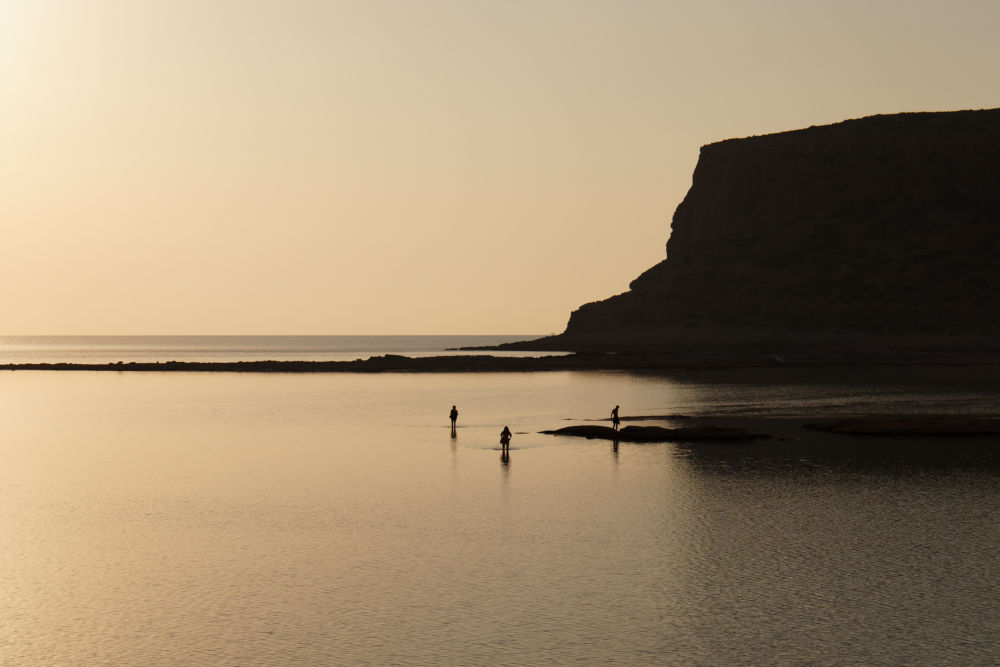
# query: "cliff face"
(881, 227)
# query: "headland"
(874, 238)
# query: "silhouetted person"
(614, 419)
(505, 435)
(454, 418)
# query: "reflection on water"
(318, 519)
(867, 559)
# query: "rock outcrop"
(659, 433)
(881, 232)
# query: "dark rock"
(641, 418)
(658, 433)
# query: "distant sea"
(111, 349)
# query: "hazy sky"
(326, 167)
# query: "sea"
(200, 518)
(112, 349)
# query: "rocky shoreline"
(579, 361)
(388, 363)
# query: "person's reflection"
(614, 447)
(505, 457)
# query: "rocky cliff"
(870, 231)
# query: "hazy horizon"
(385, 168)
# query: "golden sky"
(414, 166)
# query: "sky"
(408, 166)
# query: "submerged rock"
(658, 433)
(922, 425)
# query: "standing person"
(454, 416)
(505, 435)
(614, 419)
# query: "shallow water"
(223, 518)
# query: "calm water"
(235, 519)
(111, 349)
